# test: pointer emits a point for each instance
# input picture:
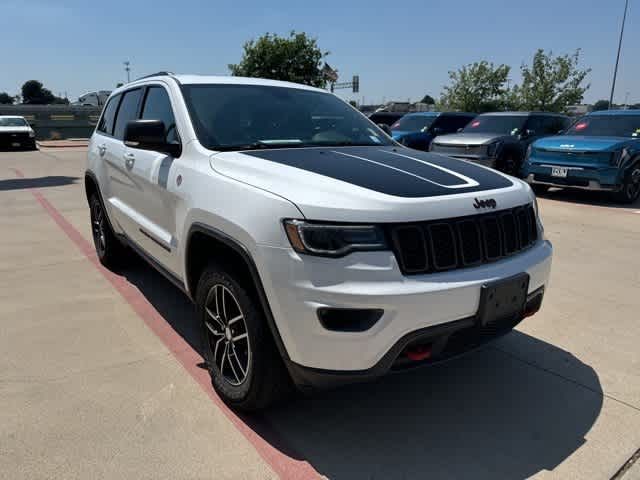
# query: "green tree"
(296, 58)
(601, 105)
(552, 83)
(428, 99)
(477, 87)
(6, 99)
(33, 92)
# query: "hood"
(15, 129)
(398, 134)
(372, 184)
(566, 143)
(469, 138)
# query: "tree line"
(550, 83)
(33, 93)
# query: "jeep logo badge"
(488, 203)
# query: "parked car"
(601, 151)
(386, 118)
(417, 130)
(317, 253)
(15, 132)
(500, 139)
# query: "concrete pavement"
(99, 376)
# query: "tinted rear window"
(128, 111)
(106, 122)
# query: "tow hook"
(418, 352)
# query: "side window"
(551, 125)
(536, 124)
(157, 106)
(128, 111)
(106, 121)
(446, 123)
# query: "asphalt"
(100, 376)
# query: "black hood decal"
(393, 171)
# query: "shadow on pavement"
(585, 197)
(485, 415)
(39, 182)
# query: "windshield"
(413, 123)
(237, 117)
(504, 124)
(12, 122)
(607, 126)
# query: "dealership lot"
(100, 375)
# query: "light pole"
(127, 69)
(615, 71)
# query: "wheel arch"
(203, 243)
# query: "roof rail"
(157, 74)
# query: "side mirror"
(385, 128)
(150, 135)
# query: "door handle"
(102, 149)
(129, 160)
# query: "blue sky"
(400, 49)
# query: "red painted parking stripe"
(285, 466)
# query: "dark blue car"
(601, 151)
(416, 130)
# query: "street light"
(127, 69)
(615, 71)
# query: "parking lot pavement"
(99, 373)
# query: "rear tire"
(630, 188)
(245, 366)
(111, 252)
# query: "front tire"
(109, 249)
(245, 367)
(630, 188)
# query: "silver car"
(500, 140)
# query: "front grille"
(458, 149)
(7, 138)
(442, 245)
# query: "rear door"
(125, 192)
(104, 149)
(153, 174)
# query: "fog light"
(349, 319)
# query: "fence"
(53, 122)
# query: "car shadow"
(37, 182)
(586, 197)
(488, 414)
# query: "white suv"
(317, 250)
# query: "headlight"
(32, 134)
(492, 149)
(618, 157)
(333, 240)
(528, 154)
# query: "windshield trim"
(198, 129)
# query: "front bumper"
(584, 178)
(10, 140)
(297, 287)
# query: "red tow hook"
(418, 352)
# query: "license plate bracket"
(503, 300)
